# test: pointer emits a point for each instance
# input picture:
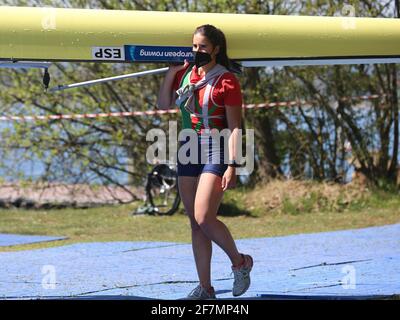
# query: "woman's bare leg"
(201, 244)
(208, 198)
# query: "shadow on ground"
(231, 210)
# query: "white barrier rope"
(168, 111)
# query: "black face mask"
(201, 58)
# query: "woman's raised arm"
(166, 94)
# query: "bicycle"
(162, 194)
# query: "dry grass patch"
(295, 197)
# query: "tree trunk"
(267, 165)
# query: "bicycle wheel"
(162, 190)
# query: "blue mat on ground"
(19, 239)
(352, 264)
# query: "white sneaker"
(242, 276)
(200, 293)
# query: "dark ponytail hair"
(217, 38)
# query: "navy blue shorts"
(210, 158)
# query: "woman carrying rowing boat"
(209, 97)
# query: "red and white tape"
(87, 115)
(161, 112)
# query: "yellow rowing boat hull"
(54, 34)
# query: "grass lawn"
(274, 210)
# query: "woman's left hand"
(229, 179)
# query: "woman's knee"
(193, 223)
(203, 220)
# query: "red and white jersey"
(225, 92)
